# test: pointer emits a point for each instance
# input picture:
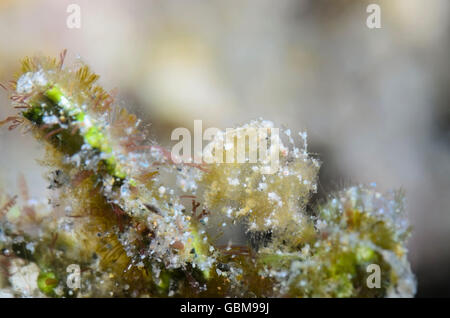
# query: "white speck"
(87, 121)
(64, 102)
(24, 84)
(321, 225)
(138, 122)
(30, 247)
(275, 198)
(24, 278)
(124, 190)
(267, 123)
(50, 119)
(304, 137)
(27, 81)
(262, 186)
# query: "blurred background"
(375, 102)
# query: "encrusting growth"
(118, 214)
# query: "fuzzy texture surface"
(119, 210)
